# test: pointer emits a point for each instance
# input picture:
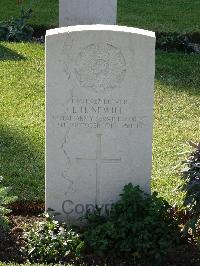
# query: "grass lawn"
(45, 11)
(176, 118)
(156, 15)
(22, 118)
(160, 15)
(22, 97)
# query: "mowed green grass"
(157, 15)
(176, 118)
(22, 119)
(161, 15)
(45, 12)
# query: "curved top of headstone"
(100, 27)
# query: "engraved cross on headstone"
(99, 159)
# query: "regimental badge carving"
(100, 67)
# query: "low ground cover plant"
(138, 225)
(17, 29)
(50, 242)
(191, 176)
(188, 43)
(5, 199)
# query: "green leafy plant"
(17, 29)
(51, 242)
(5, 199)
(138, 225)
(191, 176)
(188, 43)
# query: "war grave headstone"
(99, 106)
(84, 12)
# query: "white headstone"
(84, 12)
(99, 105)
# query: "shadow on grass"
(21, 165)
(8, 54)
(178, 71)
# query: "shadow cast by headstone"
(21, 165)
(178, 71)
(8, 54)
